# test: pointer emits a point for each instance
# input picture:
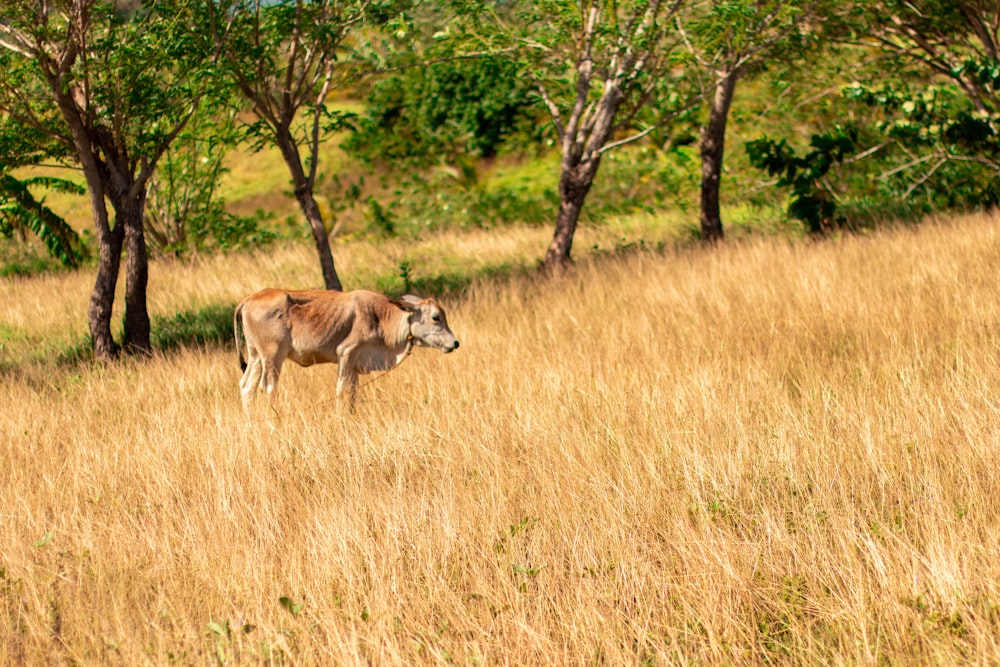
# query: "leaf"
(528, 571)
(221, 629)
(43, 542)
(522, 526)
(292, 607)
(21, 209)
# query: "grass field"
(771, 451)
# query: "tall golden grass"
(768, 451)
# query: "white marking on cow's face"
(429, 326)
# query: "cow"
(360, 331)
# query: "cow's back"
(319, 320)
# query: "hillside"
(774, 450)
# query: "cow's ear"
(408, 302)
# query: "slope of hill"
(767, 451)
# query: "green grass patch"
(211, 325)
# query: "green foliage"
(480, 195)
(211, 325)
(18, 260)
(19, 210)
(436, 202)
(812, 201)
(154, 63)
(406, 275)
(436, 113)
(43, 542)
(946, 149)
(184, 211)
(647, 179)
(380, 218)
(293, 608)
(142, 69)
(219, 228)
(745, 34)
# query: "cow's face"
(428, 325)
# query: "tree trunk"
(109, 255)
(137, 328)
(307, 202)
(585, 136)
(102, 299)
(712, 144)
(574, 184)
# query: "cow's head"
(428, 325)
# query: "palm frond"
(19, 209)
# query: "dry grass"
(772, 451)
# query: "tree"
(595, 64)
(727, 42)
(283, 58)
(114, 84)
(953, 38)
(926, 75)
(941, 104)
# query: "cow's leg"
(248, 385)
(269, 380)
(251, 378)
(272, 357)
(347, 380)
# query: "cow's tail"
(238, 334)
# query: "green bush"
(437, 113)
(206, 326)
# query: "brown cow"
(360, 331)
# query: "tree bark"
(129, 215)
(127, 234)
(109, 240)
(102, 299)
(582, 142)
(712, 145)
(574, 184)
(307, 202)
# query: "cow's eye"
(436, 318)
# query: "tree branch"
(628, 140)
(906, 166)
(317, 114)
(584, 69)
(982, 32)
(551, 106)
(14, 40)
(693, 102)
(922, 180)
